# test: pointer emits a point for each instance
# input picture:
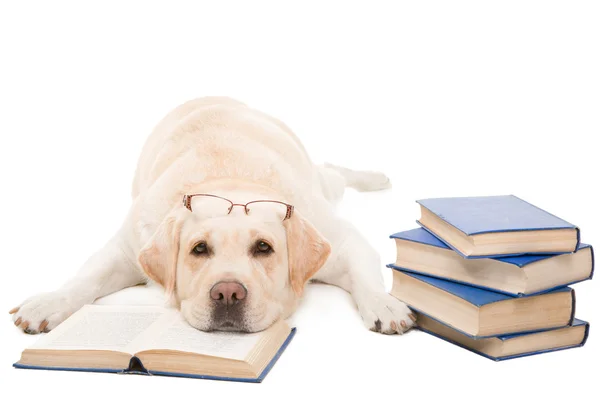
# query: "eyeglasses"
(209, 205)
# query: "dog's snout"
(228, 293)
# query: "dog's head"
(238, 272)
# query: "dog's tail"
(363, 181)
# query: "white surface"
(449, 98)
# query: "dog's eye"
(200, 249)
(263, 248)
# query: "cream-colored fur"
(220, 146)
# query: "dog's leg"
(105, 272)
(355, 266)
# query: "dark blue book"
(507, 347)
(496, 226)
(419, 251)
(482, 313)
(152, 340)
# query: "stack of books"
(492, 275)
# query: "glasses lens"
(267, 210)
(210, 207)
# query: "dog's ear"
(159, 256)
(307, 250)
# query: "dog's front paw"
(43, 312)
(381, 312)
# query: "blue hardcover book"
(495, 226)
(419, 251)
(507, 347)
(152, 340)
(482, 313)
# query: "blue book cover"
(475, 215)
(575, 323)
(136, 367)
(488, 214)
(422, 236)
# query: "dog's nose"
(228, 293)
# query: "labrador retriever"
(232, 218)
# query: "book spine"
(136, 367)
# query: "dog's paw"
(384, 313)
(43, 312)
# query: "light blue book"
(482, 313)
(507, 347)
(496, 226)
(421, 252)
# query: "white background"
(448, 98)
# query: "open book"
(154, 341)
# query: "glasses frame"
(187, 203)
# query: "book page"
(94, 327)
(180, 336)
